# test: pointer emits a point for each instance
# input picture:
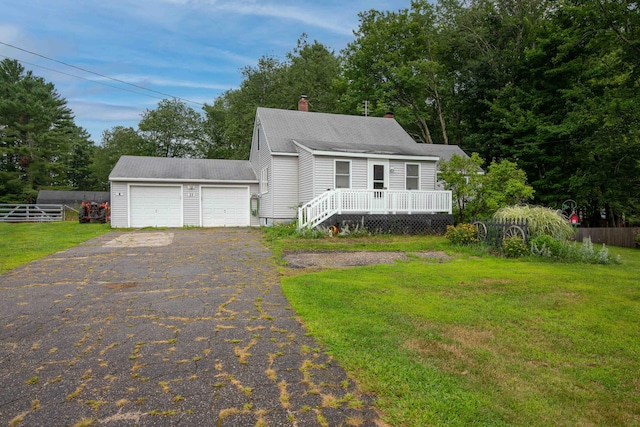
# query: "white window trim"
(406, 176)
(264, 180)
(335, 168)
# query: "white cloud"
(104, 112)
(10, 33)
(326, 17)
(149, 81)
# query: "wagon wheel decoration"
(569, 205)
(481, 230)
(514, 231)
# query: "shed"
(71, 198)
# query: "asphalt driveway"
(172, 327)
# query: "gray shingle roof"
(342, 133)
(70, 198)
(176, 169)
(443, 151)
(281, 127)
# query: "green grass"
(479, 340)
(22, 243)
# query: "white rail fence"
(31, 213)
(343, 201)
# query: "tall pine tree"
(37, 135)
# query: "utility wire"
(80, 77)
(98, 74)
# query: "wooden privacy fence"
(624, 237)
(31, 213)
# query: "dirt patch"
(138, 240)
(339, 259)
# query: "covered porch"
(372, 202)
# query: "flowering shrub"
(514, 247)
(462, 234)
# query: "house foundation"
(393, 223)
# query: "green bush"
(541, 220)
(280, 230)
(356, 230)
(514, 247)
(546, 246)
(586, 253)
(462, 234)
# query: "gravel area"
(338, 259)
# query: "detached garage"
(173, 192)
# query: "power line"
(98, 74)
(80, 77)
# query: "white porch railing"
(345, 201)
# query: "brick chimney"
(389, 115)
(303, 103)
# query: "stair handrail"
(318, 209)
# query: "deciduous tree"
(476, 193)
(173, 129)
(116, 142)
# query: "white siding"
(260, 158)
(119, 205)
(324, 170)
(397, 177)
(284, 187)
(253, 189)
(428, 176)
(306, 176)
(254, 155)
(324, 178)
(191, 205)
(359, 174)
(266, 202)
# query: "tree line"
(550, 86)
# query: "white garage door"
(225, 207)
(155, 206)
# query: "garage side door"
(225, 207)
(155, 206)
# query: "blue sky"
(191, 49)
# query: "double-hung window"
(342, 174)
(412, 176)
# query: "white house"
(303, 165)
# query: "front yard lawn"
(479, 339)
(21, 243)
